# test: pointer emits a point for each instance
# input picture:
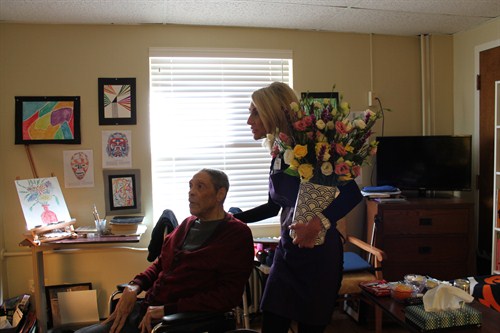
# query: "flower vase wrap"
(312, 200)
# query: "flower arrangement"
(327, 145)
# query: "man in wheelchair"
(203, 266)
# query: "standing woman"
(304, 279)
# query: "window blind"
(199, 103)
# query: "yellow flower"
(345, 106)
(294, 164)
(300, 151)
(305, 171)
(320, 124)
(294, 106)
(330, 125)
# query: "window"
(199, 103)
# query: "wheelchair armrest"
(182, 318)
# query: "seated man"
(203, 266)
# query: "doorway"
(489, 72)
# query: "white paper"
(42, 201)
(116, 149)
(78, 168)
(78, 307)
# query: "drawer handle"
(425, 221)
(424, 250)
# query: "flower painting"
(42, 201)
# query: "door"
(489, 71)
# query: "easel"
(35, 235)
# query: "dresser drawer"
(425, 221)
(444, 249)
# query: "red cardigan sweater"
(210, 278)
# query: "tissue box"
(466, 316)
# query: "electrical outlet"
(372, 98)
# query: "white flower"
(294, 106)
(359, 123)
(288, 156)
(327, 168)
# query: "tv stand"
(425, 236)
(423, 193)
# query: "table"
(396, 311)
(62, 244)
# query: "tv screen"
(425, 163)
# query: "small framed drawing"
(47, 119)
(53, 311)
(117, 101)
(320, 96)
(122, 189)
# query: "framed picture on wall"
(320, 96)
(122, 190)
(47, 119)
(117, 101)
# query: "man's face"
(202, 196)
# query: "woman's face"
(256, 125)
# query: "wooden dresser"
(428, 236)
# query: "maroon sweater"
(210, 278)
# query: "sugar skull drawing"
(117, 145)
(79, 164)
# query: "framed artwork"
(117, 101)
(319, 96)
(53, 310)
(122, 189)
(47, 119)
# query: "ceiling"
(392, 17)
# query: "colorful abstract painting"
(122, 190)
(53, 119)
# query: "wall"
(67, 60)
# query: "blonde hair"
(271, 103)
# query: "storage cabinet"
(428, 236)
(495, 253)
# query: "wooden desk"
(61, 245)
(396, 311)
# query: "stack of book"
(126, 225)
(383, 193)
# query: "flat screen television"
(425, 163)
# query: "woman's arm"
(259, 213)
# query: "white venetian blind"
(199, 103)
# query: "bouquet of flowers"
(327, 146)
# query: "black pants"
(272, 323)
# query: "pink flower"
(339, 148)
(300, 125)
(356, 170)
(341, 127)
(341, 168)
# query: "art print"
(116, 149)
(122, 191)
(42, 201)
(117, 101)
(78, 168)
(48, 119)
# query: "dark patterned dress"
(303, 283)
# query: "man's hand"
(153, 314)
(124, 307)
(306, 233)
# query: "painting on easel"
(42, 201)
